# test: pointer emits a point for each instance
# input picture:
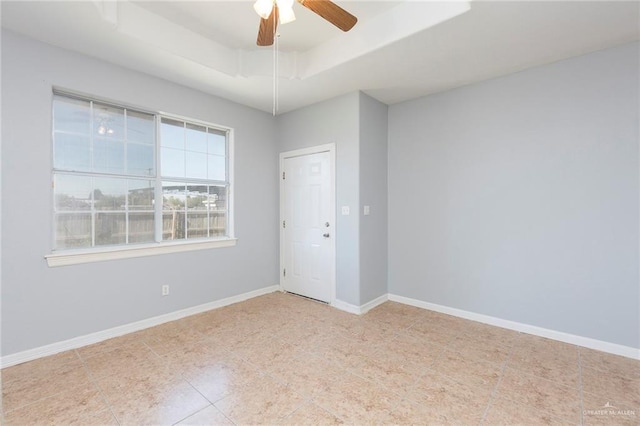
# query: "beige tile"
(208, 323)
(262, 401)
(432, 333)
(617, 365)
(344, 352)
(410, 413)
(487, 351)
(109, 345)
(121, 360)
(448, 400)
(272, 354)
(196, 358)
(82, 405)
(305, 374)
(387, 373)
(399, 315)
(549, 365)
(172, 339)
(605, 411)
(305, 337)
(610, 386)
(356, 400)
(151, 396)
(468, 370)
(448, 322)
(485, 333)
(558, 401)
(310, 414)
(243, 342)
(32, 368)
(224, 378)
(507, 413)
(412, 354)
(207, 416)
(42, 382)
(527, 343)
(283, 359)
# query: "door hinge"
(284, 223)
(284, 272)
(283, 175)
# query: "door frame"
(331, 149)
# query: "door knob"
(326, 235)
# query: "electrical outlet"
(165, 290)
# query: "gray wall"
(373, 192)
(42, 305)
(518, 197)
(334, 121)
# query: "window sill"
(78, 257)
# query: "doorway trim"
(331, 149)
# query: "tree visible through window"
(111, 164)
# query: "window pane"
(217, 211)
(71, 152)
(217, 142)
(73, 230)
(217, 168)
(196, 138)
(111, 228)
(72, 193)
(141, 194)
(108, 156)
(141, 227)
(172, 162)
(196, 165)
(140, 159)
(108, 121)
(172, 133)
(173, 225)
(197, 224)
(197, 197)
(173, 214)
(71, 115)
(109, 194)
(173, 195)
(140, 127)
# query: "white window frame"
(97, 254)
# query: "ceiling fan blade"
(267, 30)
(331, 12)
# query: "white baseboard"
(573, 339)
(347, 307)
(372, 304)
(359, 310)
(88, 339)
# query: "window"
(123, 177)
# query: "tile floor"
(282, 359)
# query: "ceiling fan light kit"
(263, 8)
(272, 12)
(285, 9)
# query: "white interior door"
(307, 228)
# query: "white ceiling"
(398, 50)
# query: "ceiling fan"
(273, 11)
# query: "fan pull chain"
(275, 105)
(277, 43)
(273, 97)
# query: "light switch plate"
(345, 210)
(367, 210)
